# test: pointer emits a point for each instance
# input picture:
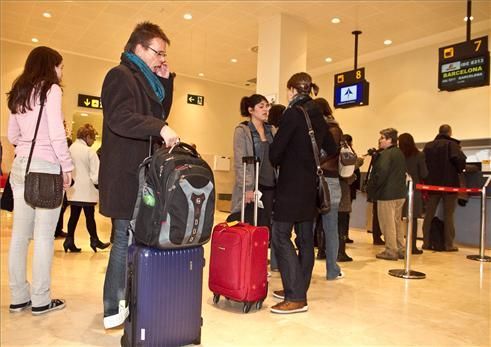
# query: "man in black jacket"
(137, 97)
(445, 160)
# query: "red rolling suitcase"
(239, 258)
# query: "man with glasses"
(387, 186)
(137, 97)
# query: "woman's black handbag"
(323, 194)
(41, 189)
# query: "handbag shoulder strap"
(35, 135)
(315, 149)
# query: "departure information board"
(464, 65)
(351, 89)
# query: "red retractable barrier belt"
(448, 189)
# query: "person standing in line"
(253, 138)
(354, 186)
(275, 113)
(330, 167)
(387, 186)
(39, 84)
(416, 168)
(296, 191)
(137, 97)
(445, 161)
(83, 195)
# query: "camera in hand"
(373, 152)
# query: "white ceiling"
(221, 30)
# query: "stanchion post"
(482, 243)
(407, 272)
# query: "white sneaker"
(116, 319)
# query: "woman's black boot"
(69, 245)
(96, 243)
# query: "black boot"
(96, 243)
(69, 244)
(342, 256)
(415, 249)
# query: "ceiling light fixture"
(335, 20)
(328, 60)
(188, 16)
(233, 60)
(35, 40)
(387, 42)
(47, 14)
(83, 114)
(201, 74)
(465, 18)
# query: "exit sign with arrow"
(89, 101)
(196, 99)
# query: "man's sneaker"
(117, 319)
(338, 277)
(20, 307)
(279, 294)
(55, 304)
(387, 256)
(286, 307)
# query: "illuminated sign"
(89, 101)
(351, 89)
(464, 65)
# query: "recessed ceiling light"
(201, 74)
(328, 59)
(35, 40)
(188, 16)
(83, 114)
(335, 20)
(387, 42)
(46, 14)
(233, 60)
(465, 18)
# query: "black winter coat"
(132, 113)
(445, 160)
(291, 151)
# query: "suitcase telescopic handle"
(245, 161)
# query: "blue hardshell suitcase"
(165, 295)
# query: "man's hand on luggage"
(170, 136)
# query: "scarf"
(151, 78)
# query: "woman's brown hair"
(37, 78)
(302, 82)
(407, 145)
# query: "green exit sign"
(89, 101)
(196, 99)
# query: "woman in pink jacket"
(38, 83)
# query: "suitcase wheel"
(247, 307)
(216, 298)
(259, 304)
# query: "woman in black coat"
(295, 197)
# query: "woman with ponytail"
(253, 138)
(296, 191)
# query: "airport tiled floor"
(451, 307)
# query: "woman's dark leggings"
(89, 211)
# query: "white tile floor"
(451, 307)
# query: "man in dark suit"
(445, 160)
(137, 97)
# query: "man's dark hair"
(390, 133)
(445, 129)
(142, 34)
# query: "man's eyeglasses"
(161, 53)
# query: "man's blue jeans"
(330, 224)
(115, 281)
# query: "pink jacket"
(51, 142)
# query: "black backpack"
(176, 199)
(437, 241)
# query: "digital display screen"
(464, 65)
(351, 95)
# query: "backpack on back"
(437, 241)
(176, 199)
